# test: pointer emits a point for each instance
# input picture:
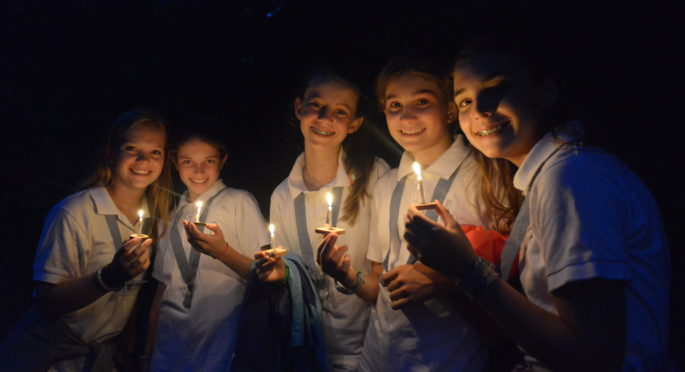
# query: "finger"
(419, 222)
(397, 294)
(401, 303)
(414, 240)
(446, 216)
(328, 242)
(395, 284)
(337, 254)
(346, 262)
(389, 276)
(414, 252)
(130, 244)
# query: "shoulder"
(79, 205)
(236, 196)
(386, 182)
(380, 167)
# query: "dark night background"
(68, 68)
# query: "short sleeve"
(577, 218)
(60, 253)
(250, 225)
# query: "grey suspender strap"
(439, 193)
(301, 222)
(520, 227)
(511, 248)
(113, 226)
(394, 213)
(188, 266)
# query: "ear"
(355, 125)
(550, 93)
(298, 108)
(451, 112)
(223, 162)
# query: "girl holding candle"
(417, 323)
(594, 264)
(86, 269)
(329, 109)
(202, 274)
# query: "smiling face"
(199, 166)
(417, 112)
(327, 114)
(140, 158)
(500, 105)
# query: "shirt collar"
(213, 190)
(543, 150)
(296, 178)
(446, 164)
(105, 205)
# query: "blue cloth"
(280, 327)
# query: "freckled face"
(327, 114)
(500, 106)
(199, 166)
(140, 158)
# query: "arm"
(587, 333)
(73, 294)
(215, 246)
(335, 262)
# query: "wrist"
(478, 276)
(353, 286)
(111, 277)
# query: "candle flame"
(198, 204)
(272, 229)
(140, 214)
(329, 199)
(417, 170)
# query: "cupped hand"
(444, 248)
(269, 268)
(131, 260)
(211, 244)
(333, 259)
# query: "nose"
(199, 168)
(407, 113)
(486, 104)
(324, 113)
(142, 156)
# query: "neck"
(320, 166)
(428, 156)
(127, 201)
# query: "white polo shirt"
(591, 217)
(344, 316)
(434, 335)
(75, 242)
(202, 338)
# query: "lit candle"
(329, 200)
(272, 228)
(140, 221)
(198, 204)
(419, 184)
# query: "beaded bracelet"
(479, 276)
(342, 289)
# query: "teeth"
(322, 132)
(142, 173)
(198, 181)
(492, 130)
(410, 132)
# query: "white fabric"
(76, 242)
(591, 217)
(433, 336)
(202, 338)
(344, 316)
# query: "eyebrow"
(418, 92)
(341, 104)
(487, 78)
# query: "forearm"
(67, 296)
(368, 291)
(235, 261)
(560, 344)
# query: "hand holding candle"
(275, 251)
(419, 189)
(139, 232)
(329, 226)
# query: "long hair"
(358, 161)
(502, 200)
(157, 193)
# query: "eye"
(464, 102)
(129, 148)
(393, 106)
(186, 162)
(211, 161)
(315, 105)
(157, 153)
(422, 102)
(341, 113)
